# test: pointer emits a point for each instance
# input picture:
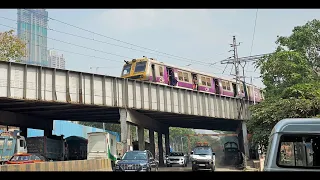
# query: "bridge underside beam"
(195, 122)
(25, 121)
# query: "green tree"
(291, 77)
(11, 47)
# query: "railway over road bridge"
(33, 96)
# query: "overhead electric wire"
(192, 60)
(207, 64)
(92, 56)
(105, 42)
(253, 35)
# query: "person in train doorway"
(195, 82)
(172, 80)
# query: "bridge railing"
(30, 82)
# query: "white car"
(176, 158)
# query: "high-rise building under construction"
(32, 29)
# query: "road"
(188, 168)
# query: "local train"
(149, 69)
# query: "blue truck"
(11, 143)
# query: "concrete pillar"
(151, 140)
(141, 142)
(167, 143)
(24, 131)
(245, 138)
(243, 141)
(136, 138)
(161, 161)
(125, 130)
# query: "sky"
(186, 36)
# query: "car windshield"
(126, 69)
(202, 151)
(140, 66)
(135, 156)
(20, 158)
(176, 154)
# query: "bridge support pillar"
(125, 130)
(152, 145)
(167, 143)
(141, 142)
(160, 146)
(243, 139)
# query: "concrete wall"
(80, 165)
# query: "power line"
(254, 31)
(71, 52)
(207, 64)
(105, 42)
(73, 44)
(118, 39)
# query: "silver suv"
(203, 158)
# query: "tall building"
(56, 60)
(32, 29)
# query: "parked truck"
(102, 145)
(77, 147)
(52, 147)
(11, 143)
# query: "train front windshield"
(126, 69)
(140, 66)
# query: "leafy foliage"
(291, 77)
(11, 47)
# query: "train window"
(185, 77)
(180, 76)
(126, 69)
(203, 81)
(226, 85)
(161, 71)
(208, 82)
(140, 66)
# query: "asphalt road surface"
(189, 169)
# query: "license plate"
(202, 165)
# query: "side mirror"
(213, 153)
(191, 152)
(166, 156)
(118, 158)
